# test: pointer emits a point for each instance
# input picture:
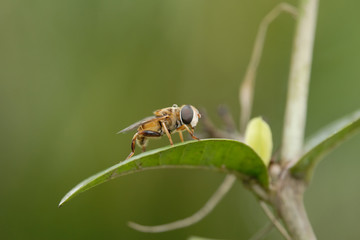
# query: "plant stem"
(196, 217)
(288, 199)
(246, 90)
(290, 205)
(295, 113)
(274, 221)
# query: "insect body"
(165, 121)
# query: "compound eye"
(186, 114)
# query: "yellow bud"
(258, 136)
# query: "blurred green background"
(73, 73)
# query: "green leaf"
(304, 168)
(330, 129)
(215, 154)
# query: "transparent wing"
(137, 124)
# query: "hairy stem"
(295, 113)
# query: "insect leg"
(191, 132)
(167, 133)
(133, 146)
(141, 141)
(142, 137)
(181, 136)
(148, 133)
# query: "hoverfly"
(165, 121)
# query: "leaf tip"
(62, 201)
(69, 195)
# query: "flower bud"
(258, 136)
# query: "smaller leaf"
(304, 168)
(259, 137)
